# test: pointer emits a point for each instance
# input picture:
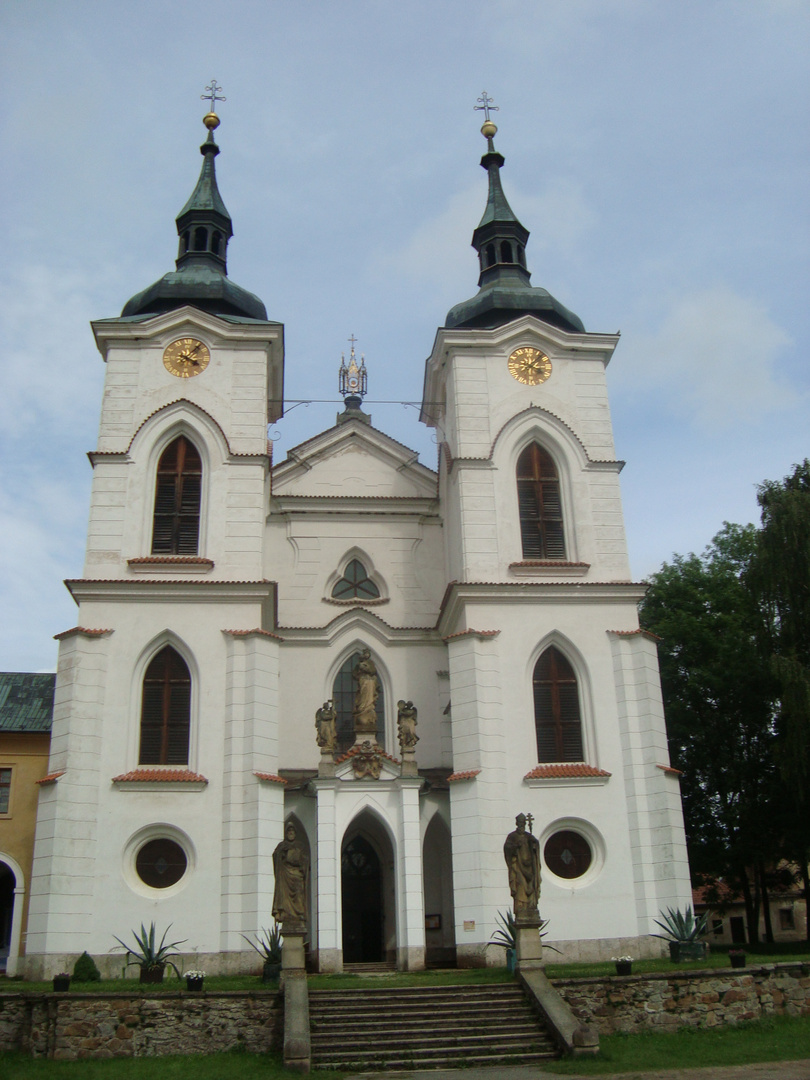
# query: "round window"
(567, 854)
(161, 863)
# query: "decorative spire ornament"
(353, 385)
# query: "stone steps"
(425, 1027)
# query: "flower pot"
(152, 974)
(737, 959)
(510, 961)
(624, 967)
(271, 971)
(679, 951)
(61, 983)
(195, 983)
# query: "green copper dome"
(505, 291)
(201, 274)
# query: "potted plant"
(152, 958)
(268, 946)
(194, 979)
(624, 965)
(683, 931)
(737, 957)
(61, 982)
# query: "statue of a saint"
(406, 723)
(522, 853)
(326, 726)
(365, 712)
(291, 869)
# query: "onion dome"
(201, 278)
(505, 292)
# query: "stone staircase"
(437, 1027)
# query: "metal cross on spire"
(213, 95)
(486, 105)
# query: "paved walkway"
(768, 1070)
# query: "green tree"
(780, 578)
(718, 697)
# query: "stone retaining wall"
(695, 998)
(79, 1025)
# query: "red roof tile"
(271, 777)
(355, 750)
(545, 772)
(185, 776)
(51, 778)
(548, 562)
(249, 633)
(467, 775)
(171, 560)
(635, 633)
(74, 631)
(669, 769)
(472, 633)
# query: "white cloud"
(716, 355)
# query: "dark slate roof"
(26, 701)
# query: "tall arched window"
(165, 710)
(355, 583)
(556, 709)
(343, 693)
(539, 505)
(176, 529)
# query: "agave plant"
(681, 927)
(505, 935)
(147, 953)
(267, 944)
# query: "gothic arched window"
(355, 583)
(176, 528)
(200, 238)
(165, 710)
(539, 505)
(343, 694)
(556, 709)
(506, 251)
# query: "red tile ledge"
(183, 776)
(561, 772)
(51, 778)
(256, 630)
(472, 633)
(669, 770)
(81, 630)
(468, 774)
(355, 750)
(270, 777)
(170, 560)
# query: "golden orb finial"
(488, 129)
(211, 121)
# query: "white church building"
(226, 598)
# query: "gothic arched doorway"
(367, 893)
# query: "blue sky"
(656, 150)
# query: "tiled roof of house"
(184, 776)
(26, 700)
(543, 772)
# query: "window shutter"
(165, 710)
(539, 505)
(176, 528)
(556, 709)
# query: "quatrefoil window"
(355, 584)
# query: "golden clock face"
(529, 366)
(186, 357)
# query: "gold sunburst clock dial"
(529, 366)
(186, 357)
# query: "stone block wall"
(706, 998)
(77, 1025)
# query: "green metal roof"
(26, 701)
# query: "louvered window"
(177, 500)
(539, 505)
(343, 695)
(355, 583)
(165, 710)
(556, 709)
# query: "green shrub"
(85, 970)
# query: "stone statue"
(326, 727)
(406, 723)
(365, 713)
(291, 869)
(522, 853)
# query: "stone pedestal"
(528, 945)
(326, 766)
(409, 767)
(293, 957)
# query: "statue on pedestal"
(406, 725)
(326, 727)
(365, 700)
(291, 869)
(522, 854)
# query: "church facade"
(229, 601)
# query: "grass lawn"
(233, 1066)
(781, 1038)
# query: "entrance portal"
(362, 897)
(7, 885)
